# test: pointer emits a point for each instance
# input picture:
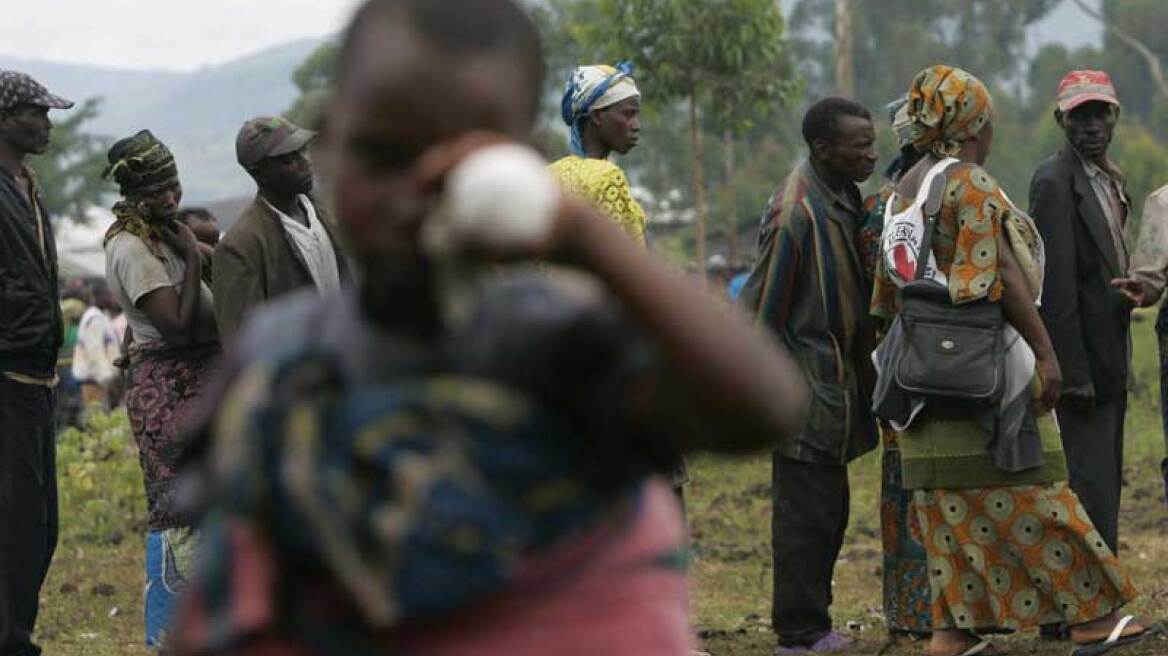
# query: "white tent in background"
(79, 251)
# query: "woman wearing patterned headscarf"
(154, 269)
(1009, 546)
(602, 106)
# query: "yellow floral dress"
(604, 184)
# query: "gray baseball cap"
(269, 136)
(20, 89)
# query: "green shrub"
(102, 498)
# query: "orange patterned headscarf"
(947, 106)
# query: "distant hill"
(197, 114)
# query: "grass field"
(91, 605)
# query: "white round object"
(498, 197)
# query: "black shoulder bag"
(947, 350)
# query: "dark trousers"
(1162, 337)
(811, 505)
(1093, 442)
(28, 508)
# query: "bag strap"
(931, 210)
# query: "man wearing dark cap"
(1078, 200)
(282, 242)
(30, 335)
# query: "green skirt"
(949, 452)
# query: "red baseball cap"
(1078, 87)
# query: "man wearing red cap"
(1078, 200)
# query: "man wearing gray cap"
(282, 242)
(30, 335)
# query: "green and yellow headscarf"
(947, 106)
(140, 164)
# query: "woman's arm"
(175, 314)
(729, 387)
(724, 385)
(1020, 311)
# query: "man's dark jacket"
(256, 261)
(30, 312)
(1086, 317)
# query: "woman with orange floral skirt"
(1009, 545)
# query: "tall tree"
(714, 56)
(894, 39)
(314, 78)
(845, 73)
(70, 171)
(1136, 55)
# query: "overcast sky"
(185, 35)
(178, 35)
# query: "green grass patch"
(92, 601)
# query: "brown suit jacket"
(256, 262)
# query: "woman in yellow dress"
(602, 106)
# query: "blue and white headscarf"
(591, 88)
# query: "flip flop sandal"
(983, 648)
(1116, 639)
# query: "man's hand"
(1133, 289)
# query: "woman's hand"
(494, 200)
(1050, 378)
(179, 237)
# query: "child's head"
(414, 74)
(202, 223)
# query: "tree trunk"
(845, 75)
(1155, 69)
(731, 198)
(699, 195)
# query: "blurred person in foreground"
(809, 288)
(1009, 544)
(154, 267)
(31, 333)
(602, 109)
(391, 478)
(907, 607)
(97, 349)
(1145, 285)
(1078, 199)
(283, 241)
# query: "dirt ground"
(731, 572)
(91, 604)
(729, 503)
